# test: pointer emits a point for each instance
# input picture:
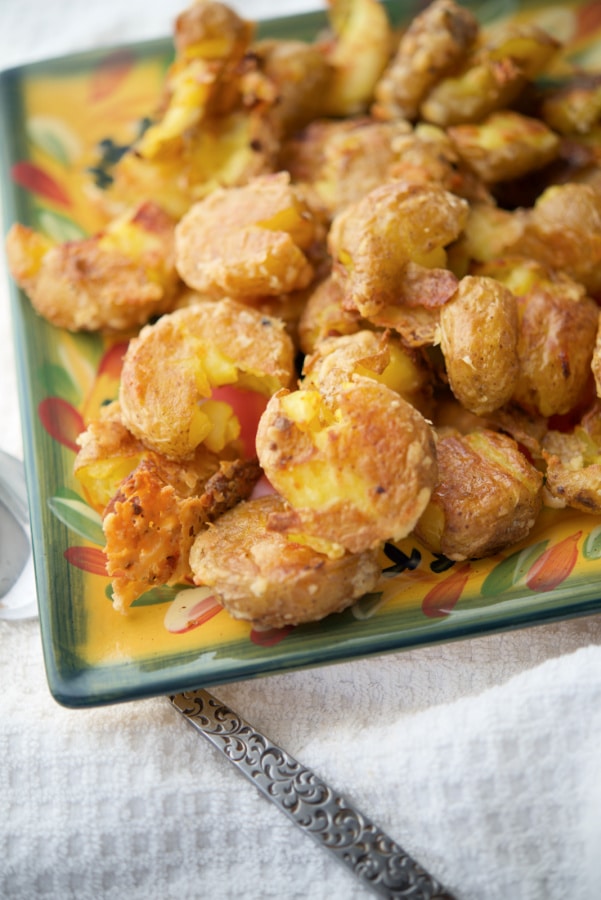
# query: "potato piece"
(556, 337)
(211, 128)
(229, 150)
(247, 241)
(573, 474)
(492, 77)
(210, 41)
(596, 360)
(170, 369)
(324, 316)
(268, 578)
(478, 337)
(357, 468)
(357, 54)
(344, 160)
(505, 145)
(575, 107)
(108, 453)
(488, 496)
(152, 521)
(563, 231)
(488, 232)
(390, 246)
(113, 281)
(435, 41)
(300, 74)
(371, 355)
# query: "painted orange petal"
(62, 421)
(90, 559)
(36, 180)
(588, 18)
(554, 565)
(112, 361)
(440, 600)
(110, 73)
(270, 636)
(191, 608)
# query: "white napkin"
(497, 792)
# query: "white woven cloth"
(481, 757)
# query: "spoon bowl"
(17, 582)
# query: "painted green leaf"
(77, 515)
(165, 593)
(511, 570)
(57, 227)
(54, 137)
(591, 548)
(59, 383)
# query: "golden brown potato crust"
(170, 369)
(435, 41)
(152, 521)
(270, 579)
(479, 336)
(248, 241)
(487, 496)
(356, 470)
(113, 281)
(390, 246)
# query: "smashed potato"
(151, 522)
(487, 497)
(505, 145)
(433, 44)
(381, 356)
(392, 243)
(556, 335)
(479, 337)
(170, 369)
(268, 578)
(113, 281)
(247, 241)
(357, 468)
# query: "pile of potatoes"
(393, 240)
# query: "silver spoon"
(17, 582)
(321, 813)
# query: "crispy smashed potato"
(487, 497)
(113, 281)
(563, 231)
(491, 77)
(392, 243)
(435, 42)
(248, 241)
(270, 579)
(324, 316)
(573, 464)
(151, 522)
(339, 161)
(381, 356)
(170, 369)
(556, 335)
(505, 145)
(356, 467)
(385, 248)
(479, 337)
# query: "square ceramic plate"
(54, 117)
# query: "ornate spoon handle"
(317, 810)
